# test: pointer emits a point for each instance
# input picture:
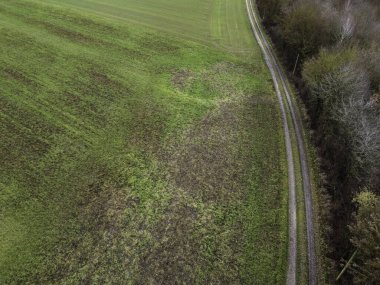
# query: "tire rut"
(279, 79)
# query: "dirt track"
(281, 87)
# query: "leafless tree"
(356, 111)
(347, 23)
(367, 24)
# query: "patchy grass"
(133, 156)
(182, 78)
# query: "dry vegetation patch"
(181, 78)
(198, 239)
(208, 163)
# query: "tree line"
(332, 52)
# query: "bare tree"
(367, 24)
(347, 23)
(357, 113)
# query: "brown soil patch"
(181, 78)
(174, 255)
(204, 165)
(208, 162)
(207, 167)
(14, 74)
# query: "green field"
(141, 143)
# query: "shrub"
(366, 238)
(339, 91)
(358, 115)
(367, 24)
(305, 29)
(270, 10)
(325, 78)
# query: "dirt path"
(279, 79)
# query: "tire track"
(278, 76)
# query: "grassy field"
(141, 143)
(220, 23)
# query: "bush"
(369, 59)
(325, 79)
(367, 25)
(305, 29)
(358, 115)
(270, 10)
(366, 238)
(339, 91)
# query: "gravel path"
(279, 79)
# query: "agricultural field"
(141, 143)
